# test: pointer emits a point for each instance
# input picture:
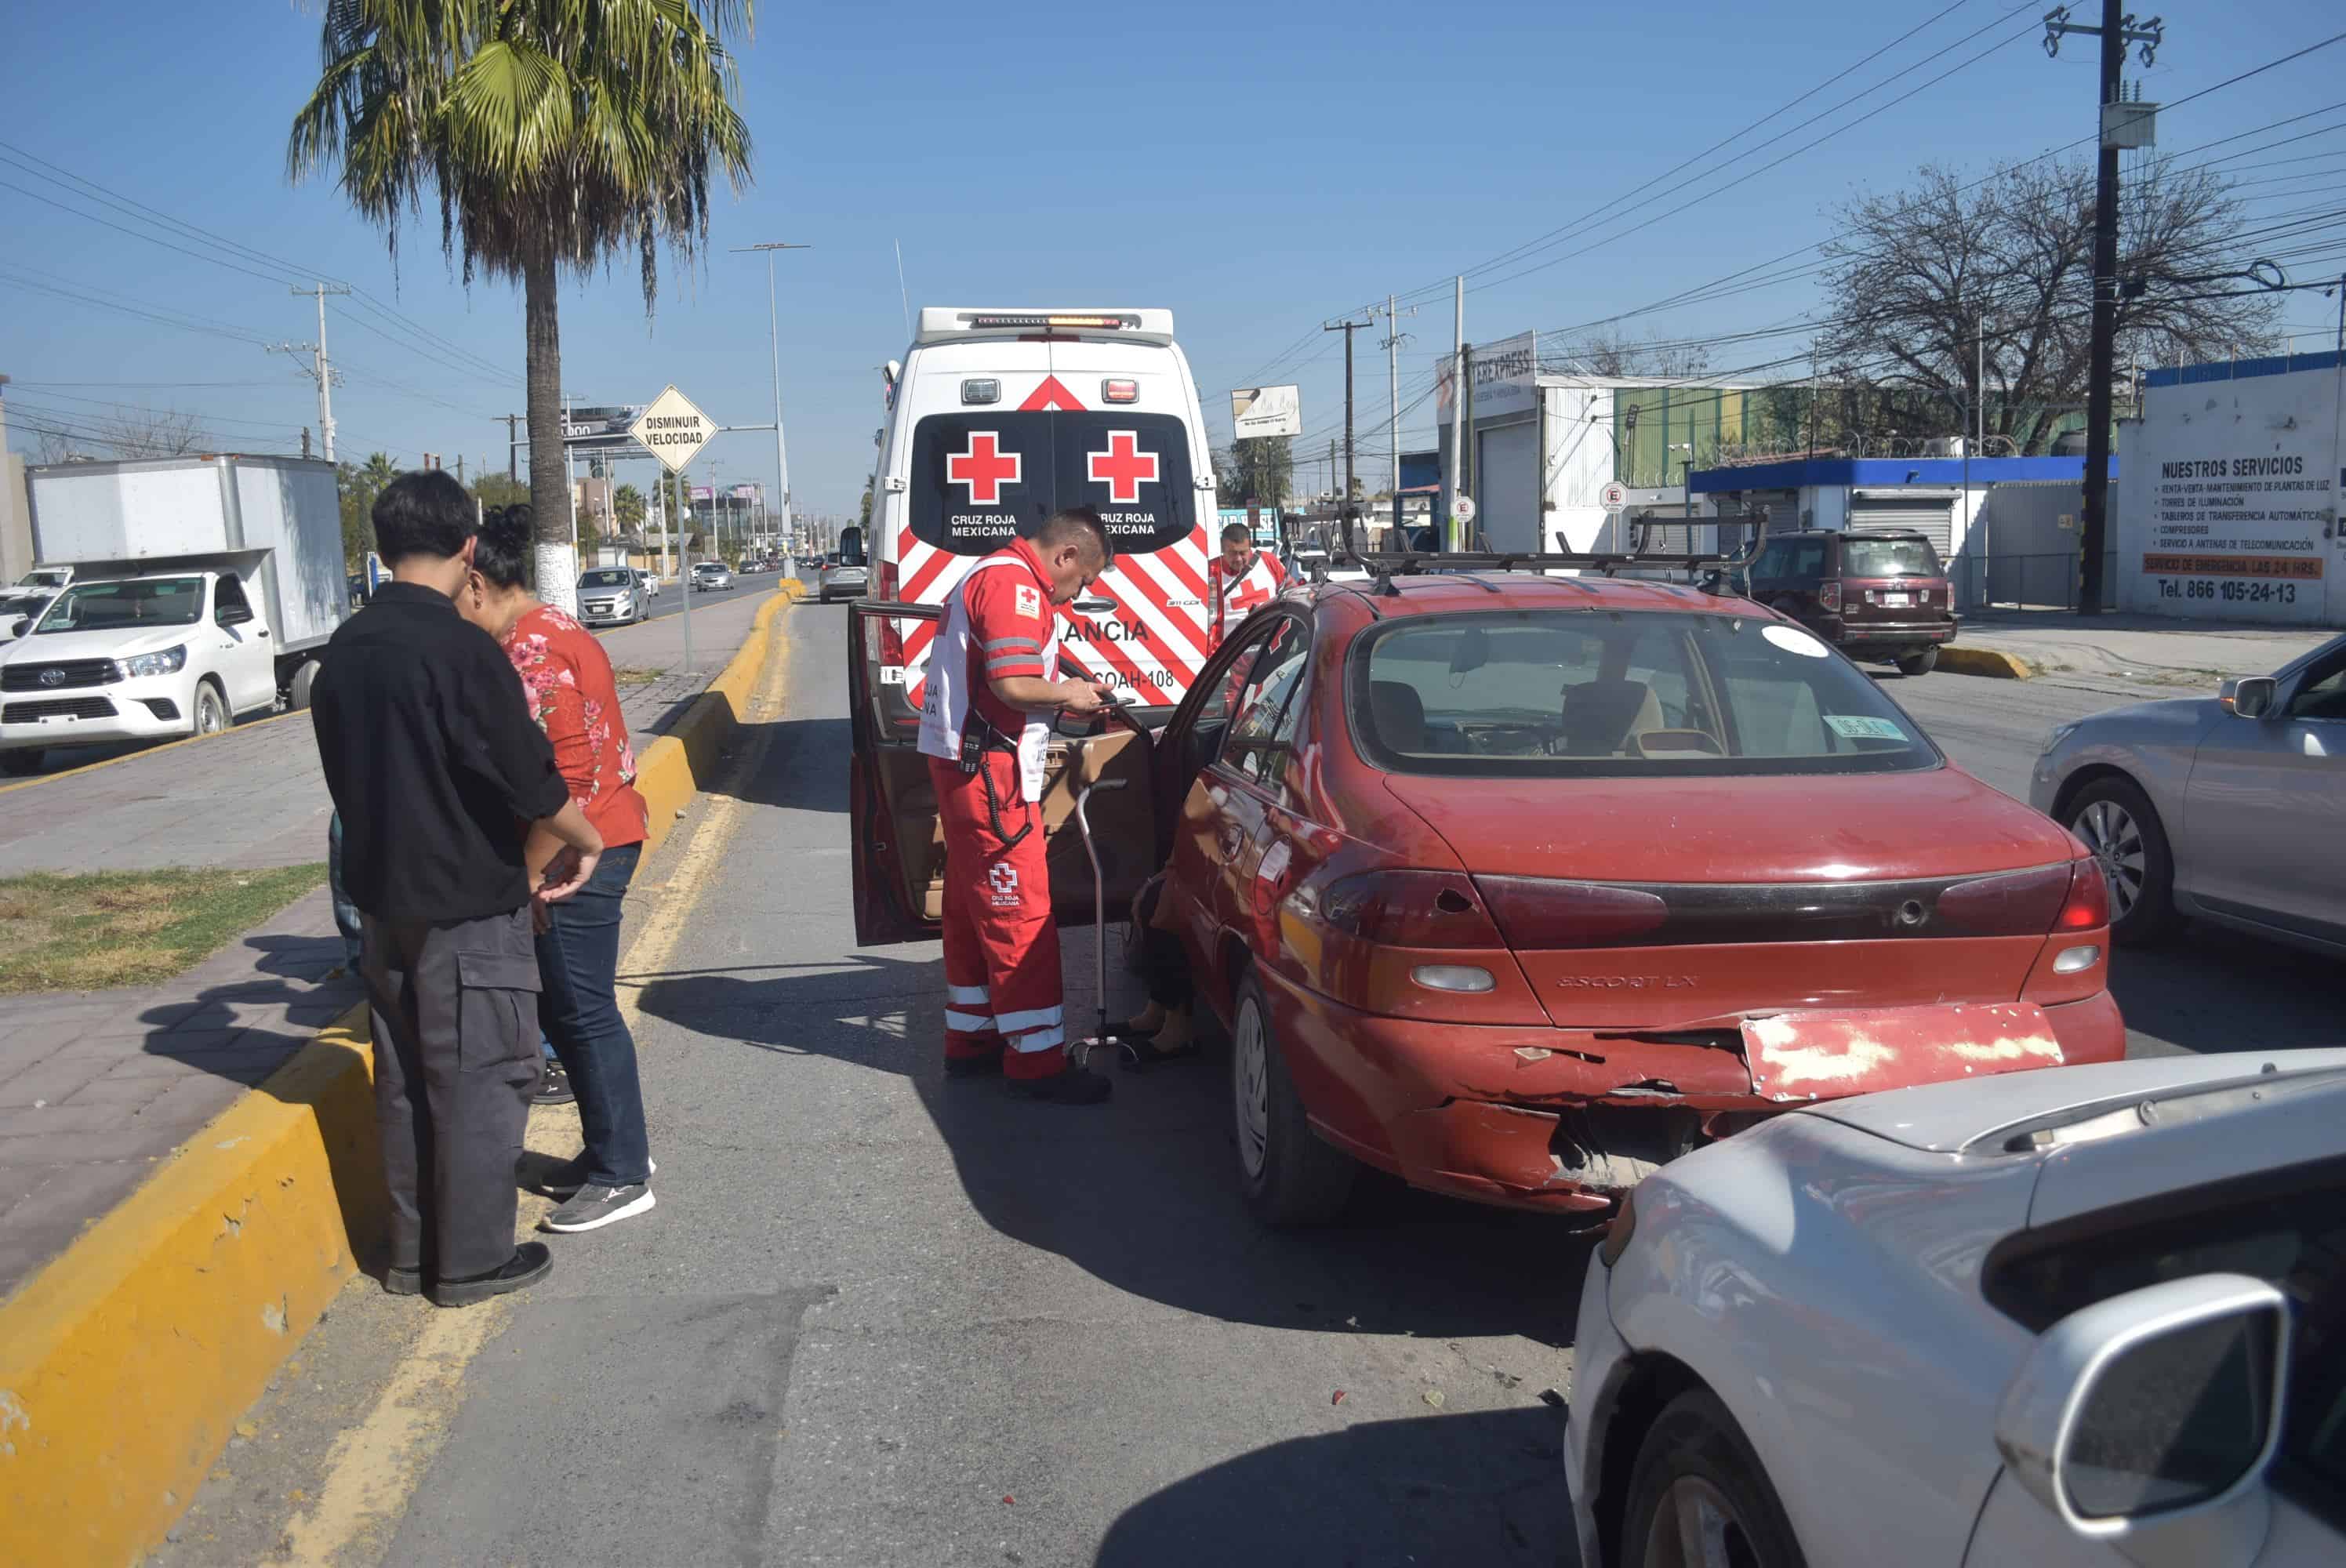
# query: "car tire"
(212, 716)
(2118, 822)
(1291, 1177)
(1695, 1469)
(298, 689)
(1917, 663)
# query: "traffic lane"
(2209, 989)
(1070, 1308)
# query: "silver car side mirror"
(2146, 1422)
(2249, 695)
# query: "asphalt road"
(880, 1318)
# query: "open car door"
(897, 842)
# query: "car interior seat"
(1601, 716)
(1399, 715)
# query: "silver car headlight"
(170, 661)
(2061, 732)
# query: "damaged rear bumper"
(1568, 1120)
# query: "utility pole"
(1394, 337)
(1450, 530)
(513, 444)
(2116, 33)
(320, 370)
(1345, 507)
(774, 347)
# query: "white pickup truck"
(203, 590)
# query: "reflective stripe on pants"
(1002, 946)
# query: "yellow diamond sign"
(672, 429)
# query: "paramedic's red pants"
(1002, 948)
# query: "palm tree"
(553, 134)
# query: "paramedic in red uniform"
(986, 720)
(1243, 579)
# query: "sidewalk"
(2134, 650)
(98, 1086)
(254, 797)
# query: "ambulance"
(997, 418)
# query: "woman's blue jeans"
(577, 962)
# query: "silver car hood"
(1948, 1118)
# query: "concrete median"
(1956, 659)
(127, 1361)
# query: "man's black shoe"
(398, 1281)
(1071, 1085)
(531, 1262)
(986, 1066)
(553, 1084)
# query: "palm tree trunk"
(549, 480)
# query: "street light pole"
(774, 345)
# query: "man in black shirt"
(453, 810)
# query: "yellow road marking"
(373, 1468)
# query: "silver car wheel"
(1250, 1089)
(1696, 1527)
(2115, 840)
(211, 716)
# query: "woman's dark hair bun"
(503, 553)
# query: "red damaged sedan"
(1518, 885)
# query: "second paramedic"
(986, 722)
(1243, 579)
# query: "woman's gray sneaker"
(593, 1206)
(563, 1183)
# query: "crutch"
(1081, 1051)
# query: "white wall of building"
(2228, 500)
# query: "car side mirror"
(2146, 1422)
(23, 626)
(234, 616)
(2249, 695)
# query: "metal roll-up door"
(1933, 515)
(1507, 487)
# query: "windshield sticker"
(1791, 639)
(1861, 726)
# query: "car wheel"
(1699, 1497)
(298, 691)
(211, 710)
(1914, 663)
(1289, 1176)
(2121, 827)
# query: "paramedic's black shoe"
(1071, 1085)
(986, 1066)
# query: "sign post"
(1616, 497)
(672, 429)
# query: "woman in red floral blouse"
(566, 677)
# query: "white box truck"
(203, 591)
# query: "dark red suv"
(1876, 594)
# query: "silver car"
(611, 597)
(2229, 808)
(2074, 1318)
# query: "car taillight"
(1829, 594)
(1538, 914)
(1408, 909)
(2015, 903)
(891, 641)
(2088, 904)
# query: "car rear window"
(1888, 558)
(607, 580)
(979, 480)
(1593, 693)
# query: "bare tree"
(129, 433)
(1919, 277)
(1606, 353)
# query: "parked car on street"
(1520, 886)
(20, 607)
(2080, 1318)
(709, 575)
(2229, 808)
(1879, 595)
(612, 596)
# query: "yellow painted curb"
(123, 1362)
(1988, 662)
(127, 1361)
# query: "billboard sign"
(1506, 379)
(604, 431)
(1265, 411)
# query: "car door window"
(1770, 566)
(1807, 562)
(229, 605)
(2288, 1230)
(2322, 694)
(1267, 710)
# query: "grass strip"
(105, 929)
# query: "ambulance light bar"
(943, 324)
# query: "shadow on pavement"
(2215, 990)
(1143, 1193)
(1463, 1489)
(795, 789)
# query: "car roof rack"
(1385, 566)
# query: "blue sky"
(1257, 168)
